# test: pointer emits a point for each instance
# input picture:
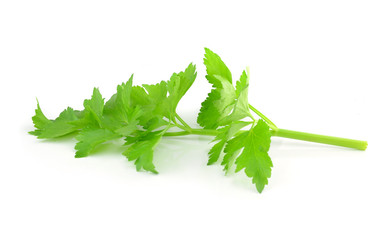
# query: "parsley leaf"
(178, 85)
(61, 126)
(241, 105)
(232, 149)
(254, 157)
(93, 111)
(118, 107)
(216, 67)
(95, 105)
(160, 100)
(39, 121)
(224, 103)
(120, 114)
(141, 150)
(150, 99)
(219, 102)
(90, 138)
(224, 134)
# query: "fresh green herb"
(143, 115)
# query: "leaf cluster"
(142, 116)
(226, 109)
(139, 114)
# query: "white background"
(316, 66)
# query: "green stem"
(268, 121)
(183, 122)
(310, 137)
(175, 134)
(195, 131)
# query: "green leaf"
(242, 83)
(93, 111)
(155, 123)
(216, 67)
(119, 105)
(178, 85)
(222, 137)
(241, 105)
(151, 99)
(156, 95)
(254, 158)
(161, 99)
(134, 137)
(121, 115)
(224, 104)
(95, 105)
(131, 124)
(39, 121)
(220, 101)
(61, 126)
(140, 97)
(232, 150)
(217, 106)
(141, 150)
(90, 138)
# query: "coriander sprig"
(143, 115)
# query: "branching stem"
(268, 121)
(183, 122)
